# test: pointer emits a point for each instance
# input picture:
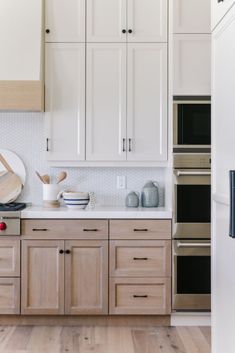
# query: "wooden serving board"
(10, 183)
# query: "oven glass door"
(192, 275)
(192, 194)
(194, 124)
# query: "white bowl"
(76, 199)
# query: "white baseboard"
(190, 319)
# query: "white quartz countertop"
(97, 213)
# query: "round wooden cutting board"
(12, 176)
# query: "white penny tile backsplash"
(23, 133)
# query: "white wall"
(22, 133)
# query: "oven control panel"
(192, 160)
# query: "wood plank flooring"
(58, 339)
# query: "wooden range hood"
(21, 59)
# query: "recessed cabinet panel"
(42, 277)
(65, 20)
(147, 102)
(86, 288)
(106, 102)
(106, 20)
(65, 102)
(192, 64)
(147, 20)
(10, 258)
(191, 16)
(9, 296)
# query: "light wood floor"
(47, 339)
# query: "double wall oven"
(192, 210)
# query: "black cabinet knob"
(61, 251)
(123, 31)
(47, 30)
(130, 31)
(68, 252)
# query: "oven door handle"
(193, 245)
(179, 173)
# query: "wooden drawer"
(140, 229)
(64, 229)
(150, 258)
(140, 296)
(10, 258)
(9, 295)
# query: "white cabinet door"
(106, 20)
(147, 102)
(65, 20)
(223, 160)
(147, 20)
(191, 16)
(106, 102)
(192, 64)
(65, 101)
(219, 9)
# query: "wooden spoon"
(61, 176)
(46, 179)
(40, 177)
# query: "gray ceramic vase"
(150, 195)
(132, 199)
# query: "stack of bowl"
(76, 199)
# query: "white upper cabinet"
(147, 102)
(147, 20)
(106, 102)
(219, 9)
(127, 20)
(192, 64)
(191, 16)
(65, 20)
(65, 101)
(106, 20)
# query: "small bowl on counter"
(76, 200)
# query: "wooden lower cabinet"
(64, 277)
(86, 277)
(9, 295)
(42, 283)
(10, 258)
(146, 296)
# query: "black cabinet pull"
(40, 230)
(90, 230)
(130, 31)
(67, 252)
(123, 145)
(123, 31)
(47, 144)
(130, 145)
(140, 258)
(220, 0)
(141, 230)
(61, 251)
(47, 30)
(140, 296)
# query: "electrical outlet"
(121, 182)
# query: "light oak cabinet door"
(147, 20)
(65, 102)
(42, 277)
(65, 20)
(10, 258)
(192, 16)
(106, 20)
(9, 296)
(192, 64)
(86, 286)
(106, 102)
(147, 102)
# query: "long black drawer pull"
(140, 258)
(140, 296)
(140, 230)
(40, 230)
(90, 230)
